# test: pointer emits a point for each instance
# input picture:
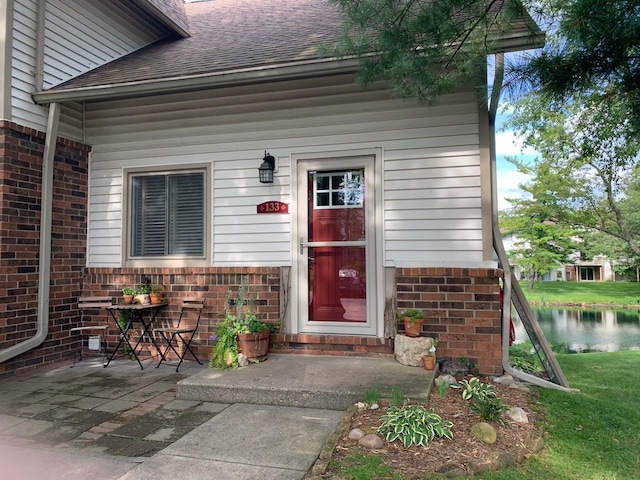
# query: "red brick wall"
(21, 151)
(462, 309)
(211, 283)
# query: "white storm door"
(336, 253)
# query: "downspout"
(44, 264)
(497, 238)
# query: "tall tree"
(594, 47)
(425, 47)
(586, 163)
(542, 241)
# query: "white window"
(167, 217)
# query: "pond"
(580, 331)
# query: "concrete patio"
(268, 420)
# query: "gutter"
(44, 266)
(238, 77)
(244, 76)
(498, 245)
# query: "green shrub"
(372, 396)
(413, 424)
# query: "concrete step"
(309, 381)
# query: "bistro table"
(145, 315)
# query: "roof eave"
(245, 76)
(228, 78)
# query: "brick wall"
(21, 151)
(462, 310)
(212, 283)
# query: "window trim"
(127, 217)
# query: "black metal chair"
(185, 329)
(91, 303)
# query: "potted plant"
(142, 294)
(413, 320)
(430, 358)
(253, 337)
(156, 294)
(127, 294)
(240, 333)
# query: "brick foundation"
(341, 345)
(21, 151)
(462, 309)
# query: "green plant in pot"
(413, 320)
(127, 294)
(241, 332)
(156, 294)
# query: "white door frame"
(371, 160)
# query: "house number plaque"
(273, 207)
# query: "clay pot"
(254, 346)
(412, 329)
(429, 362)
(155, 298)
(128, 299)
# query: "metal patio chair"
(184, 329)
(85, 304)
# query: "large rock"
(484, 432)
(409, 350)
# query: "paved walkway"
(120, 422)
(123, 422)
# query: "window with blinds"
(168, 215)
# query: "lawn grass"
(593, 434)
(548, 293)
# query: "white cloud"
(509, 144)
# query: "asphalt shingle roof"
(173, 10)
(227, 35)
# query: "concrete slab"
(260, 435)
(36, 463)
(169, 466)
(307, 381)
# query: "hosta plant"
(413, 424)
(484, 400)
(474, 389)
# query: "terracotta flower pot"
(128, 299)
(412, 328)
(429, 362)
(254, 346)
(155, 298)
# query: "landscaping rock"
(484, 432)
(445, 379)
(356, 434)
(454, 367)
(243, 361)
(535, 444)
(374, 406)
(371, 441)
(481, 465)
(409, 350)
(503, 460)
(517, 414)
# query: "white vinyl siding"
(80, 35)
(23, 110)
(431, 200)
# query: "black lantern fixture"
(267, 168)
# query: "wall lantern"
(267, 168)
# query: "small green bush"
(372, 396)
(397, 396)
(413, 424)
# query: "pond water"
(579, 331)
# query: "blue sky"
(508, 176)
